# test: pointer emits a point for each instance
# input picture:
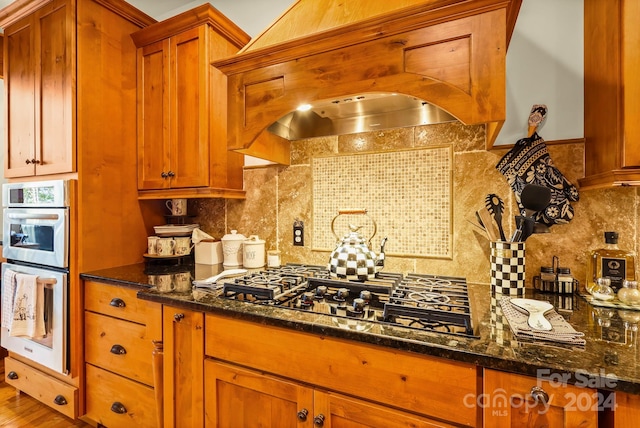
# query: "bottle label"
(614, 269)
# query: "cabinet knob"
(118, 408)
(164, 174)
(171, 174)
(539, 395)
(319, 420)
(32, 161)
(12, 375)
(178, 317)
(118, 350)
(60, 400)
(117, 302)
(302, 415)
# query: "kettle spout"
(380, 258)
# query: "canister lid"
(253, 239)
(234, 236)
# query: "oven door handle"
(18, 216)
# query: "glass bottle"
(629, 293)
(610, 262)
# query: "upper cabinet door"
(40, 93)
(153, 116)
(55, 146)
(20, 84)
(189, 118)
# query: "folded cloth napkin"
(8, 296)
(561, 332)
(28, 307)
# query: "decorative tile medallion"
(408, 194)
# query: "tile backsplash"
(407, 195)
(278, 195)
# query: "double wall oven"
(36, 242)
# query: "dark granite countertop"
(609, 360)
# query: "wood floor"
(21, 410)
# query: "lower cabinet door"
(115, 401)
(235, 397)
(511, 400)
(335, 410)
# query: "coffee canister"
(232, 248)
(253, 254)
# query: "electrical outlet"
(298, 233)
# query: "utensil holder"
(508, 268)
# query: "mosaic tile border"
(422, 175)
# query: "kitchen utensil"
(211, 281)
(488, 223)
(495, 205)
(352, 259)
(534, 198)
(536, 310)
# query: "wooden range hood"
(448, 53)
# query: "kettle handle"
(354, 211)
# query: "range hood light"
(371, 111)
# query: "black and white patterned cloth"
(507, 262)
(529, 162)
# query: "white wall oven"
(36, 246)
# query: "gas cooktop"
(416, 301)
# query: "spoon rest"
(536, 310)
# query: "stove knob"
(342, 293)
(358, 305)
(307, 298)
(321, 291)
(365, 295)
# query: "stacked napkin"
(561, 332)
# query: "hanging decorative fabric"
(529, 162)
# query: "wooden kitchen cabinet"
(182, 119)
(611, 93)
(390, 385)
(241, 397)
(183, 351)
(39, 82)
(119, 335)
(511, 400)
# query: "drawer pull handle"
(117, 302)
(12, 375)
(118, 408)
(302, 415)
(178, 317)
(319, 420)
(539, 395)
(60, 400)
(118, 350)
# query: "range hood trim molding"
(279, 69)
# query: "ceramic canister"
(253, 254)
(232, 248)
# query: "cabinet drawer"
(107, 394)
(107, 338)
(426, 385)
(120, 302)
(44, 388)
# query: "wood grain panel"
(42, 387)
(447, 61)
(102, 333)
(414, 380)
(104, 299)
(104, 389)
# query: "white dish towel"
(28, 307)
(8, 296)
